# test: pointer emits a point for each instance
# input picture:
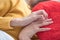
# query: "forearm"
(23, 21)
(33, 28)
(24, 38)
(27, 33)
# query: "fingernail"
(52, 22)
(50, 18)
(48, 28)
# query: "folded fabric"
(5, 36)
(53, 10)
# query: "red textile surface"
(53, 10)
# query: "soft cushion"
(53, 10)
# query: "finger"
(38, 21)
(38, 18)
(47, 20)
(46, 23)
(41, 18)
(41, 12)
(44, 29)
(38, 25)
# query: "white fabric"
(5, 36)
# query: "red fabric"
(53, 10)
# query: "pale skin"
(27, 35)
(18, 22)
(27, 20)
(32, 23)
(34, 27)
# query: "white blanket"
(5, 36)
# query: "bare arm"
(30, 30)
(27, 20)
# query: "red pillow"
(53, 10)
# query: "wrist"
(15, 22)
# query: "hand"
(27, 20)
(41, 12)
(33, 28)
